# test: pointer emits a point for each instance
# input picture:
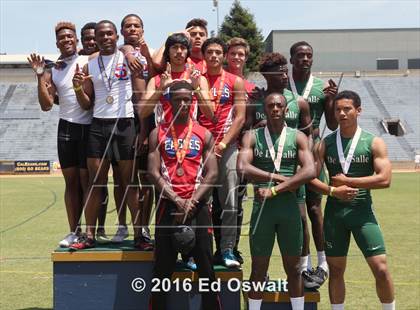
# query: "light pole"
(216, 5)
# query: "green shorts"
(301, 195)
(278, 216)
(342, 221)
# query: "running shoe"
(142, 245)
(82, 243)
(68, 240)
(229, 259)
(238, 256)
(308, 282)
(102, 238)
(190, 264)
(319, 276)
(121, 234)
(145, 231)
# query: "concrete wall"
(350, 50)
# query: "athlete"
(228, 94)
(273, 67)
(106, 85)
(320, 97)
(236, 57)
(183, 168)
(196, 32)
(139, 59)
(176, 52)
(357, 162)
(269, 158)
(73, 126)
(88, 39)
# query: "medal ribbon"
(278, 156)
(308, 87)
(108, 80)
(219, 91)
(180, 153)
(345, 162)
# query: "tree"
(240, 23)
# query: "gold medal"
(180, 172)
(110, 100)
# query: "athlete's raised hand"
(166, 78)
(79, 77)
(195, 76)
(37, 63)
(331, 90)
(345, 192)
(144, 48)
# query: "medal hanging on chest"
(108, 80)
(181, 152)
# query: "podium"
(107, 277)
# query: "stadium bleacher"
(28, 133)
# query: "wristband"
(331, 191)
(223, 145)
(77, 88)
(273, 191)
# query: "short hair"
(238, 42)
(131, 15)
(197, 22)
(351, 95)
(270, 60)
(214, 40)
(182, 84)
(90, 25)
(174, 39)
(64, 25)
(105, 21)
(277, 94)
(295, 46)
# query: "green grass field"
(33, 219)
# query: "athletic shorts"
(342, 221)
(301, 194)
(278, 216)
(72, 141)
(113, 138)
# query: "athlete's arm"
(153, 168)
(305, 121)
(46, 88)
(249, 114)
(83, 87)
(205, 104)
(342, 192)
(149, 99)
(138, 85)
(381, 165)
(330, 90)
(210, 168)
(244, 164)
(307, 167)
(239, 109)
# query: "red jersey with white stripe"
(192, 164)
(163, 110)
(199, 64)
(223, 99)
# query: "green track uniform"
(316, 100)
(356, 217)
(292, 120)
(278, 215)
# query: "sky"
(28, 26)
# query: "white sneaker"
(68, 240)
(121, 234)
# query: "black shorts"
(113, 138)
(72, 144)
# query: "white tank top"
(69, 108)
(121, 90)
